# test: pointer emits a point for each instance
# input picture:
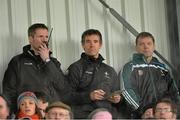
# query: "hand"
(115, 98)
(148, 113)
(42, 107)
(44, 52)
(97, 95)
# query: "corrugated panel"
(70, 18)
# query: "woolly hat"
(29, 95)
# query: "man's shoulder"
(158, 64)
(107, 67)
(127, 67)
(54, 59)
(17, 57)
(77, 63)
(130, 61)
(128, 64)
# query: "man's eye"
(22, 104)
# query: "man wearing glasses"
(165, 109)
(58, 110)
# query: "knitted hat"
(29, 95)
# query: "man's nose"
(91, 44)
(45, 39)
(162, 112)
(146, 46)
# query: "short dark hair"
(42, 96)
(90, 32)
(167, 101)
(32, 28)
(143, 35)
(146, 107)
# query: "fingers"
(100, 92)
(97, 95)
(100, 95)
(44, 51)
(115, 98)
(43, 46)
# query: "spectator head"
(144, 35)
(32, 29)
(100, 114)
(147, 112)
(91, 42)
(90, 32)
(27, 103)
(145, 44)
(165, 109)
(57, 110)
(4, 107)
(38, 36)
(42, 102)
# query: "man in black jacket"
(34, 70)
(92, 81)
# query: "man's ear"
(136, 48)
(101, 44)
(154, 46)
(82, 45)
(30, 38)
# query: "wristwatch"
(47, 60)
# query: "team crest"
(140, 72)
(162, 73)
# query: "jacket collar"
(27, 50)
(92, 59)
(141, 57)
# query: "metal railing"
(133, 31)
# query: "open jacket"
(144, 83)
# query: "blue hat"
(29, 95)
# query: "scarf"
(32, 117)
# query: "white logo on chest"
(27, 63)
(106, 74)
